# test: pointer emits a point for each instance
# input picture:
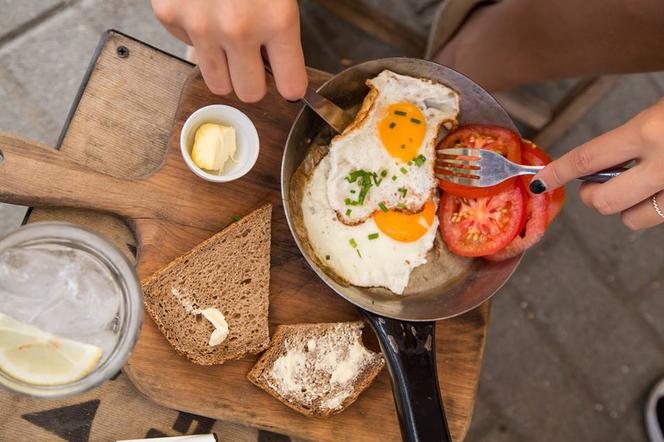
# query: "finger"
(644, 215)
(168, 14)
(247, 72)
(190, 55)
(607, 150)
(178, 33)
(214, 67)
(624, 191)
(586, 191)
(287, 61)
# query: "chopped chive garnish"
(403, 191)
(383, 173)
(352, 242)
(236, 218)
(327, 257)
(358, 253)
(419, 160)
(382, 206)
(415, 120)
(404, 170)
(410, 163)
(401, 206)
(392, 124)
(373, 236)
(364, 182)
(352, 190)
(377, 180)
(400, 113)
(348, 212)
(394, 177)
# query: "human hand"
(641, 140)
(228, 36)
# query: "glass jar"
(71, 280)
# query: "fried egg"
(385, 159)
(379, 252)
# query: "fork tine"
(460, 151)
(453, 161)
(458, 171)
(458, 180)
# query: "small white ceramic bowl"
(246, 139)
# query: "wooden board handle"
(32, 174)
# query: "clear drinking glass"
(74, 284)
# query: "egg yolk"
(402, 130)
(406, 227)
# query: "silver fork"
(484, 168)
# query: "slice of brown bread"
(230, 272)
(317, 369)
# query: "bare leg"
(516, 42)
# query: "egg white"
(381, 262)
(361, 148)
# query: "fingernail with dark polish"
(537, 187)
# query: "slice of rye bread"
(317, 369)
(231, 272)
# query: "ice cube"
(61, 290)
(32, 272)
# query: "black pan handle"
(410, 351)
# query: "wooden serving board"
(170, 210)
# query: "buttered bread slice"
(212, 303)
(317, 369)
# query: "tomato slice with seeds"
(481, 136)
(532, 232)
(534, 156)
(481, 226)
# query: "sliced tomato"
(481, 136)
(534, 156)
(556, 201)
(532, 232)
(481, 226)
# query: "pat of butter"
(217, 319)
(214, 145)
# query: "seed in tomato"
(481, 226)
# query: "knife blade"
(336, 117)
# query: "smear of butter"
(184, 301)
(214, 145)
(217, 319)
(335, 401)
(213, 315)
(347, 368)
(288, 371)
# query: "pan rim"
(320, 273)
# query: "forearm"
(525, 41)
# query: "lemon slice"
(40, 358)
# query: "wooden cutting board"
(170, 210)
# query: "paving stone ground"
(576, 337)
